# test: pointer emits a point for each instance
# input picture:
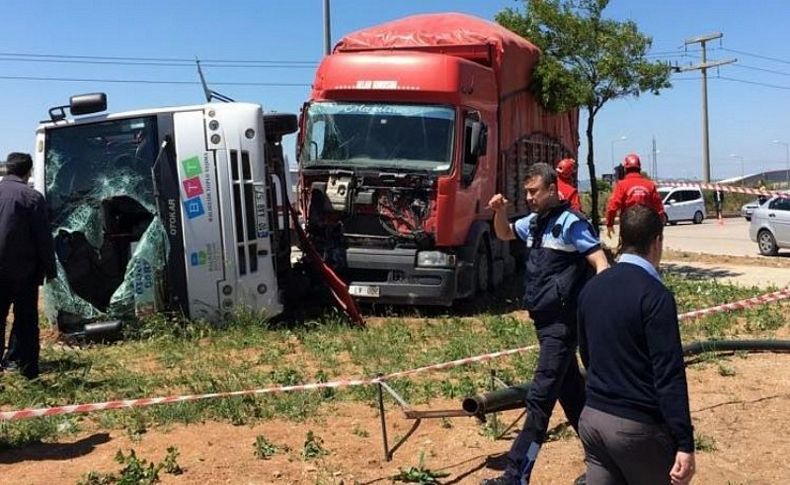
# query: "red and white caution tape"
(456, 363)
(138, 403)
(144, 402)
(724, 188)
(738, 305)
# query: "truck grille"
(244, 212)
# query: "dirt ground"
(742, 414)
(739, 407)
(758, 261)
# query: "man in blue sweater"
(636, 426)
(562, 247)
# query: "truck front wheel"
(482, 267)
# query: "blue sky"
(744, 118)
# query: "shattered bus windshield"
(108, 240)
(382, 136)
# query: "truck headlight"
(435, 259)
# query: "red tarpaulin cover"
(513, 59)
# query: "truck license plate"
(365, 290)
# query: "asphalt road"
(730, 238)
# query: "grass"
(360, 432)
(135, 471)
(704, 443)
(263, 448)
(166, 355)
(313, 447)
(419, 474)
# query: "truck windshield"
(380, 136)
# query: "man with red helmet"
(567, 191)
(633, 189)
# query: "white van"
(683, 204)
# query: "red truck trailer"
(411, 127)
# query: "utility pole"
(327, 30)
(655, 160)
(704, 66)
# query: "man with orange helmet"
(633, 189)
(567, 191)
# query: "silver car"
(770, 227)
(748, 208)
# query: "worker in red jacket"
(633, 189)
(565, 169)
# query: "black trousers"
(557, 377)
(23, 346)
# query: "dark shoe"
(506, 479)
(582, 480)
(11, 366)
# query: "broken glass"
(110, 243)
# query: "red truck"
(411, 127)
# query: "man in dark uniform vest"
(26, 258)
(562, 245)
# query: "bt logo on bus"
(192, 187)
(194, 208)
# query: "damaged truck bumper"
(391, 276)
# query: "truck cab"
(377, 155)
(412, 126)
(162, 209)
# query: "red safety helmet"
(565, 168)
(632, 161)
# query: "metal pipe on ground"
(514, 397)
(702, 347)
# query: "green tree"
(587, 60)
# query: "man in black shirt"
(26, 258)
(636, 426)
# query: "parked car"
(770, 227)
(748, 208)
(683, 204)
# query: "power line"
(670, 56)
(149, 81)
(761, 69)
(680, 51)
(667, 54)
(153, 59)
(190, 64)
(759, 56)
(756, 83)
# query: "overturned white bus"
(181, 208)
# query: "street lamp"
(787, 160)
(622, 138)
(732, 155)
